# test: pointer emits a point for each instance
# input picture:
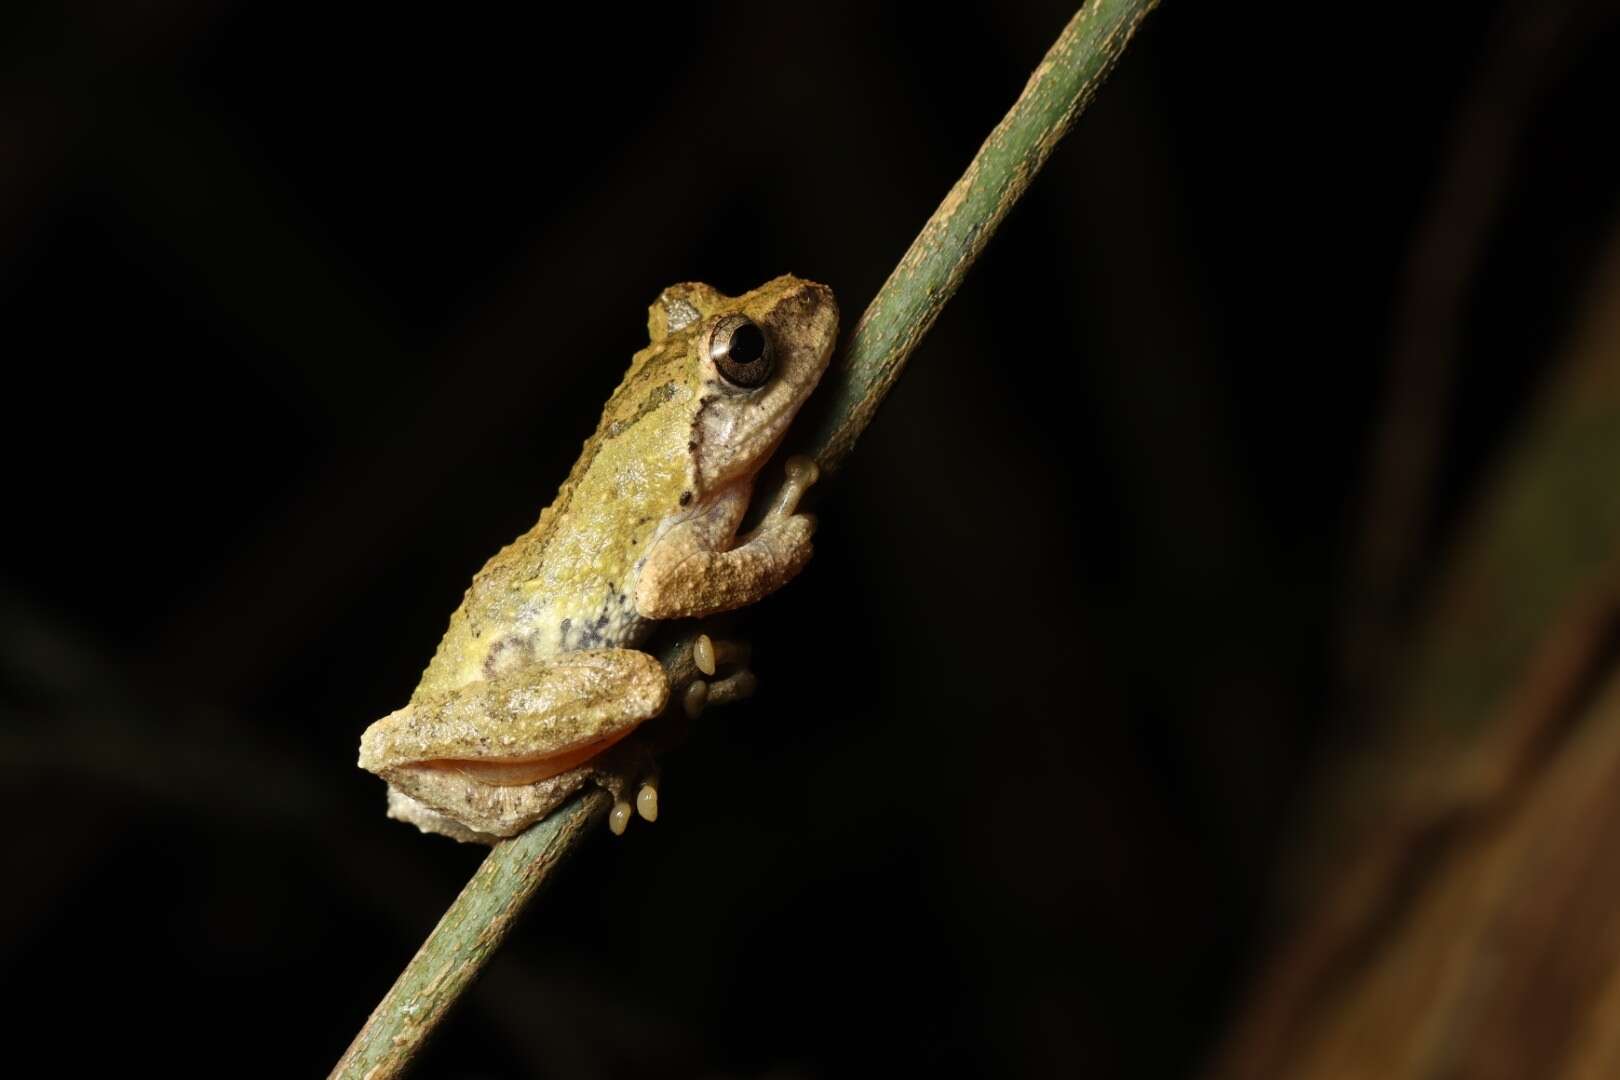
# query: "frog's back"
(569, 582)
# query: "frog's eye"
(742, 352)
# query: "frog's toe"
(710, 656)
(630, 775)
(695, 698)
(647, 801)
(703, 654)
(802, 472)
(738, 686)
(645, 805)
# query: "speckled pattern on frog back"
(553, 590)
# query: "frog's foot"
(630, 775)
(726, 659)
(738, 686)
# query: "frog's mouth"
(516, 772)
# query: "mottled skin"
(538, 673)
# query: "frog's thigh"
(684, 578)
(532, 721)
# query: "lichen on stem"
(926, 277)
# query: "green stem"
(476, 923)
(928, 275)
(939, 258)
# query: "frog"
(538, 685)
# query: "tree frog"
(538, 675)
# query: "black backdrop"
(307, 308)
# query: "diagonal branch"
(926, 278)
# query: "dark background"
(307, 309)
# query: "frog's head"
(756, 359)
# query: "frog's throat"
(516, 772)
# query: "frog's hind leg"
(723, 658)
(497, 754)
(704, 671)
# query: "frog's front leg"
(695, 570)
(498, 754)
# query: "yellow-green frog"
(539, 673)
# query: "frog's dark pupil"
(747, 344)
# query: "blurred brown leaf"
(1463, 897)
